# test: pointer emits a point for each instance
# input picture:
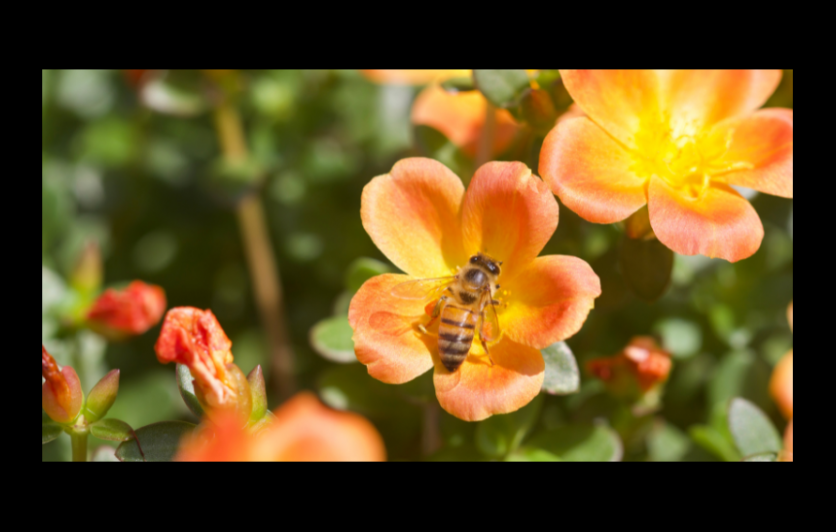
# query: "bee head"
(490, 264)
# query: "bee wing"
(488, 320)
(424, 289)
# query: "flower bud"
(781, 384)
(194, 338)
(639, 371)
(259, 393)
(61, 395)
(118, 314)
(101, 397)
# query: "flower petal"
(704, 97)
(617, 100)
(590, 172)
(478, 390)
(720, 223)
(412, 216)
(461, 118)
(384, 336)
(306, 431)
(765, 141)
(549, 301)
(412, 77)
(509, 214)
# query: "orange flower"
(194, 338)
(303, 431)
(421, 218)
(118, 314)
(413, 77)
(639, 369)
(61, 395)
(781, 384)
(675, 141)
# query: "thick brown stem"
(264, 272)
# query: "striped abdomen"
(455, 334)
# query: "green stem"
(79, 447)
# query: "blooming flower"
(639, 369)
(421, 218)
(781, 384)
(459, 116)
(61, 395)
(303, 431)
(117, 314)
(675, 141)
(194, 338)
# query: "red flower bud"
(61, 395)
(119, 314)
(194, 338)
(640, 368)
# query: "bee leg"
(434, 316)
(485, 347)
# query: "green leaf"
(112, 430)
(501, 87)
(363, 269)
(646, 266)
(740, 374)
(666, 443)
(331, 338)
(185, 385)
(349, 387)
(157, 442)
(763, 457)
(578, 443)
(682, 338)
(500, 435)
(713, 441)
(49, 431)
(456, 85)
(753, 432)
(562, 375)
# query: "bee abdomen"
(455, 336)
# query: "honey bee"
(465, 305)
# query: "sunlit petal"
(412, 216)
(385, 338)
(478, 390)
(590, 172)
(549, 301)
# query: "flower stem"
(79, 443)
(264, 271)
(485, 148)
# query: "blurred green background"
(150, 188)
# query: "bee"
(466, 305)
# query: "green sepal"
(154, 443)
(753, 433)
(112, 430)
(185, 385)
(258, 391)
(102, 397)
(562, 375)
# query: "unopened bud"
(61, 394)
(118, 314)
(635, 374)
(102, 396)
(781, 385)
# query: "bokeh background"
(149, 186)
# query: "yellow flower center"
(686, 156)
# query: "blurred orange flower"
(194, 338)
(459, 116)
(118, 314)
(781, 384)
(61, 394)
(421, 218)
(640, 368)
(303, 431)
(675, 141)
